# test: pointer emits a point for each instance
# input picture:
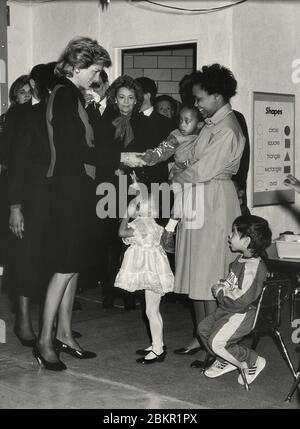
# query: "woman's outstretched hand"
(16, 222)
(292, 183)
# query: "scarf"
(123, 129)
(89, 134)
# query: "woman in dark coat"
(73, 198)
(29, 200)
(20, 101)
(115, 139)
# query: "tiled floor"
(115, 380)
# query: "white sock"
(171, 225)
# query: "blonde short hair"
(81, 52)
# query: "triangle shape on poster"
(260, 157)
(287, 158)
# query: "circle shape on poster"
(259, 129)
(287, 130)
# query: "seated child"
(146, 267)
(236, 296)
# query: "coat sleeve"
(12, 118)
(213, 158)
(241, 176)
(20, 160)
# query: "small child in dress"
(146, 267)
(236, 296)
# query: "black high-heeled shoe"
(158, 358)
(25, 343)
(79, 354)
(143, 352)
(52, 366)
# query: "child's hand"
(119, 172)
(215, 289)
(131, 210)
(150, 157)
(134, 184)
(292, 183)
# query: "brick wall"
(165, 67)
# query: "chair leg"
(246, 385)
(293, 389)
(283, 350)
(255, 341)
(292, 305)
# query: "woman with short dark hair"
(115, 140)
(19, 92)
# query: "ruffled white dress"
(145, 264)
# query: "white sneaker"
(252, 373)
(219, 368)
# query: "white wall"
(19, 41)
(266, 36)
(39, 32)
(54, 24)
(131, 25)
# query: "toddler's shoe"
(219, 368)
(252, 373)
(168, 241)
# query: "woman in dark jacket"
(29, 200)
(19, 97)
(73, 194)
(115, 139)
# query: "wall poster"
(273, 148)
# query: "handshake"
(133, 159)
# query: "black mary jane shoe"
(184, 351)
(158, 358)
(79, 354)
(52, 366)
(143, 352)
(26, 343)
